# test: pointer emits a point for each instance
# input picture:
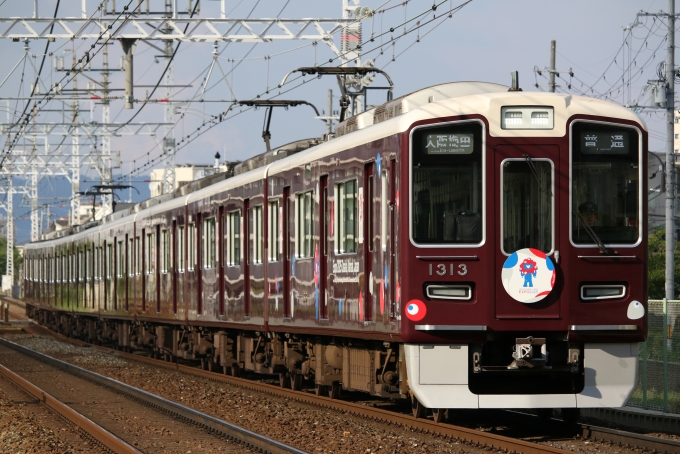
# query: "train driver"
(589, 212)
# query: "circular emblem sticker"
(528, 275)
(415, 310)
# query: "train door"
(246, 257)
(526, 211)
(391, 278)
(324, 221)
(286, 252)
(368, 241)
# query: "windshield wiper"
(532, 167)
(591, 233)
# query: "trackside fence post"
(644, 375)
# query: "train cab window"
(165, 251)
(527, 200)
(209, 240)
(346, 216)
(120, 256)
(150, 253)
(191, 246)
(257, 234)
(605, 186)
(447, 181)
(304, 224)
(273, 232)
(180, 249)
(233, 238)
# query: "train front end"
(523, 252)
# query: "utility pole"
(553, 48)
(669, 103)
(553, 71)
(670, 161)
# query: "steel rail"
(96, 431)
(622, 437)
(232, 431)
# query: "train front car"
(523, 251)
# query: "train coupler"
(529, 352)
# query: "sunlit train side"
(465, 246)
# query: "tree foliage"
(18, 259)
(657, 265)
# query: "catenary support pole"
(553, 47)
(670, 164)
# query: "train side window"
(88, 265)
(81, 265)
(131, 257)
(234, 238)
(191, 246)
(138, 255)
(180, 249)
(384, 205)
(150, 253)
(209, 240)
(165, 251)
(304, 224)
(257, 234)
(273, 232)
(120, 253)
(346, 216)
(71, 276)
(109, 261)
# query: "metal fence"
(658, 385)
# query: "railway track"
(490, 440)
(94, 431)
(209, 426)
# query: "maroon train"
(465, 245)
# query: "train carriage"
(465, 246)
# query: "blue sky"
(483, 40)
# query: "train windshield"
(527, 201)
(605, 187)
(446, 197)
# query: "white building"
(185, 174)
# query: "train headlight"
(527, 117)
(602, 292)
(449, 292)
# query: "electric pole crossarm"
(164, 29)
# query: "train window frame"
(340, 220)
(165, 251)
(552, 199)
(304, 224)
(109, 261)
(150, 254)
(641, 165)
(483, 195)
(120, 259)
(273, 236)
(234, 228)
(81, 265)
(209, 248)
(88, 264)
(258, 236)
(130, 256)
(180, 248)
(191, 246)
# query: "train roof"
(395, 116)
